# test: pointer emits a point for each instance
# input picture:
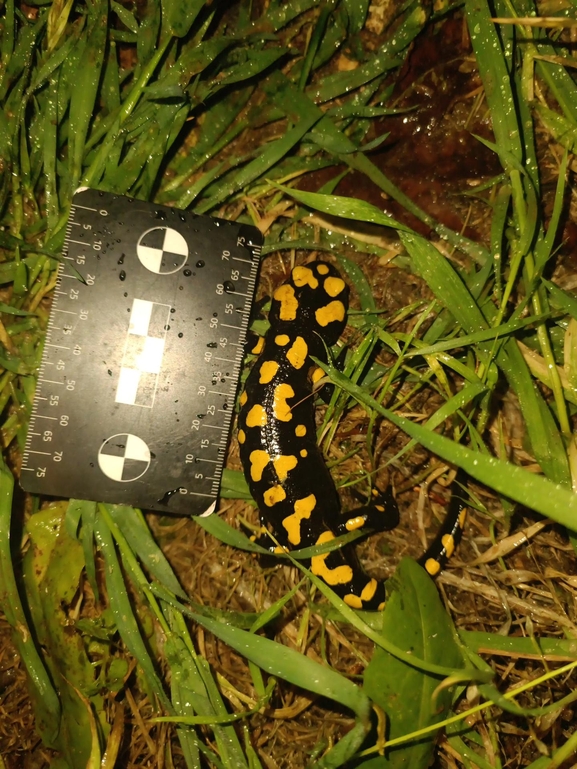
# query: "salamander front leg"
(379, 513)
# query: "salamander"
(285, 470)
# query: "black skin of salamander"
(308, 481)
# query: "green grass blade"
(123, 612)
(534, 491)
(347, 208)
(298, 107)
(125, 16)
(488, 335)
(84, 93)
(561, 299)
(271, 154)
(12, 607)
(390, 55)
(496, 80)
(357, 12)
(283, 662)
(132, 524)
(546, 440)
(444, 282)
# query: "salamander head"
(315, 298)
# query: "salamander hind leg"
(341, 570)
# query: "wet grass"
(223, 110)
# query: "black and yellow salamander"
(286, 473)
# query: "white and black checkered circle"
(124, 457)
(162, 250)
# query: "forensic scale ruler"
(137, 386)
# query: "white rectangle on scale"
(143, 352)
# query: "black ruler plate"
(141, 363)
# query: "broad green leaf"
(52, 572)
(416, 620)
(487, 643)
(234, 485)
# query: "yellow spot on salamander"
(281, 409)
(334, 286)
(288, 302)
(297, 354)
(449, 544)
(380, 508)
(256, 417)
(282, 339)
(278, 550)
(292, 523)
(241, 436)
(300, 431)
(367, 594)
(317, 374)
(258, 348)
(369, 590)
(322, 269)
(258, 461)
(355, 523)
(330, 312)
(243, 398)
(432, 567)
(283, 465)
(268, 371)
(462, 518)
(274, 495)
(304, 453)
(353, 601)
(338, 576)
(303, 276)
